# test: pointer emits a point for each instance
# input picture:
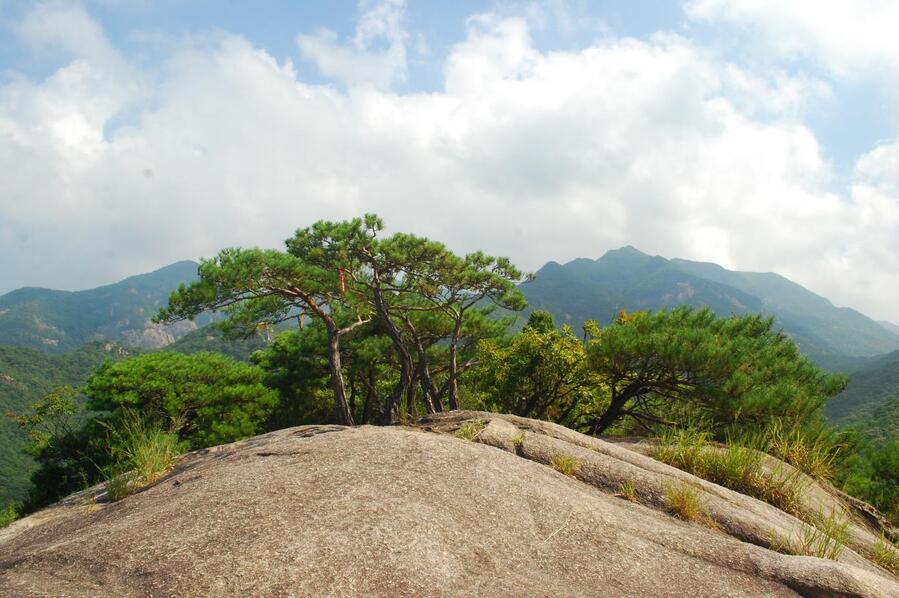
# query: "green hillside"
(839, 330)
(26, 375)
(872, 397)
(629, 279)
(60, 321)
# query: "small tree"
(731, 370)
(541, 373)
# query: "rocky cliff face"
(326, 510)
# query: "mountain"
(26, 375)
(418, 511)
(629, 279)
(59, 321)
(871, 400)
(890, 326)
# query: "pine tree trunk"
(391, 412)
(342, 409)
(454, 367)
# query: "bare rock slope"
(326, 510)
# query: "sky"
(761, 135)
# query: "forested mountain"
(871, 400)
(26, 375)
(629, 279)
(59, 321)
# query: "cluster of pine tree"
(391, 327)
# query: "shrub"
(9, 514)
(215, 398)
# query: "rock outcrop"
(327, 510)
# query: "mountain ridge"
(627, 278)
(58, 321)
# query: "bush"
(9, 513)
(214, 398)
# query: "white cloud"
(851, 38)
(530, 154)
(360, 62)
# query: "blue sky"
(761, 135)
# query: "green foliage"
(26, 377)
(732, 370)
(215, 399)
(541, 373)
(9, 513)
(871, 473)
(141, 451)
(871, 399)
(344, 275)
(211, 339)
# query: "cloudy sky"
(759, 134)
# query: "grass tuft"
(824, 538)
(565, 464)
(737, 467)
(886, 554)
(813, 454)
(470, 430)
(143, 452)
(684, 502)
(518, 439)
(627, 491)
